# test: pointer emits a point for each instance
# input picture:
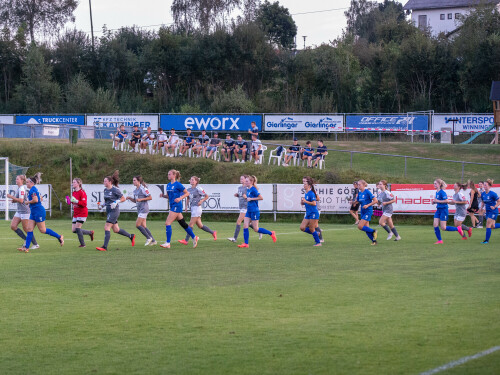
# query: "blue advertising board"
(385, 122)
(223, 123)
(51, 119)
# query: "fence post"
(462, 180)
(405, 165)
(351, 159)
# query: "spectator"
(204, 139)
(307, 153)
(197, 148)
(213, 145)
(136, 138)
(254, 130)
(188, 142)
(321, 152)
(228, 148)
(293, 152)
(119, 136)
(240, 149)
(171, 143)
(147, 139)
(256, 149)
(161, 137)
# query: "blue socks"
(451, 229)
(28, 240)
(369, 232)
(50, 232)
(168, 230)
(264, 231)
(438, 233)
(488, 233)
(246, 235)
(315, 234)
(189, 231)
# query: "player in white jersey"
(460, 202)
(22, 214)
(386, 199)
(140, 198)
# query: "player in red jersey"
(80, 211)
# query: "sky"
(323, 22)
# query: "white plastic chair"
(275, 158)
(262, 155)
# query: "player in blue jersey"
(441, 215)
(37, 215)
(366, 201)
(310, 222)
(490, 202)
(176, 192)
(253, 213)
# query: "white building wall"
(434, 21)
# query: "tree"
(277, 23)
(38, 15)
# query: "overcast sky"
(322, 26)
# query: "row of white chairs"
(296, 160)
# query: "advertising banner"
(387, 122)
(303, 123)
(51, 119)
(333, 197)
(7, 120)
(221, 197)
(42, 188)
(220, 123)
(463, 123)
(114, 121)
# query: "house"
(441, 16)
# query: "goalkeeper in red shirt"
(80, 212)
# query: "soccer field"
(286, 308)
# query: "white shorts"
(196, 211)
(142, 216)
(386, 214)
(243, 210)
(22, 216)
(79, 220)
(459, 218)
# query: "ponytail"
(114, 178)
(310, 181)
(461, 186)
(441, 183)
(141, 180)
(489, 181)
(37, 178)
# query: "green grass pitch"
(286, 308)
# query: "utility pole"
(303, 36)
(91, 25)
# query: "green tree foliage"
(276, 21)
(79, 95)
(234, 101)
(46, 16)
(11, 52)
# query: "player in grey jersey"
(386, 199)
(112, 197)
(22, 214)
(460, 203)
(140, 198)
(242, 204)
(195, 202)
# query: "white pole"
(6, 188)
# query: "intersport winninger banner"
(303, 123)
(463, 123)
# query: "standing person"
(112, 199)
(460, 203)
(136, 138)
(22, 214)
(80, 212)
(176, 192)
(366, 201)
(253, 213)
(293, 152)
(491, 201)
(228, 148)
(188, 142)
(195, 201)
(254, 130)
(386, 199)
(441, 215)
(141, 198)
(310, 222)
(37, 215)
(256, 148)
(241, 149)
(171, 143)
(473, 203)
(242, 203)
(354, 203)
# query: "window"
(450, 16)
(422, 22)
(441, 17)
(457, 16)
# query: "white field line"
(461, 361)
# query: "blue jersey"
(489, 200)
(441, 196)
(365, 197)
(311, 197)
(188, 139)
(34, 191)
(253, 206)
(174, 191)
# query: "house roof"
(495, 90)
(440, 4)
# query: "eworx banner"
(42, 188)
(221, 197)
(219, 123)
(463, 123)
(303, 123)
(115, 121)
